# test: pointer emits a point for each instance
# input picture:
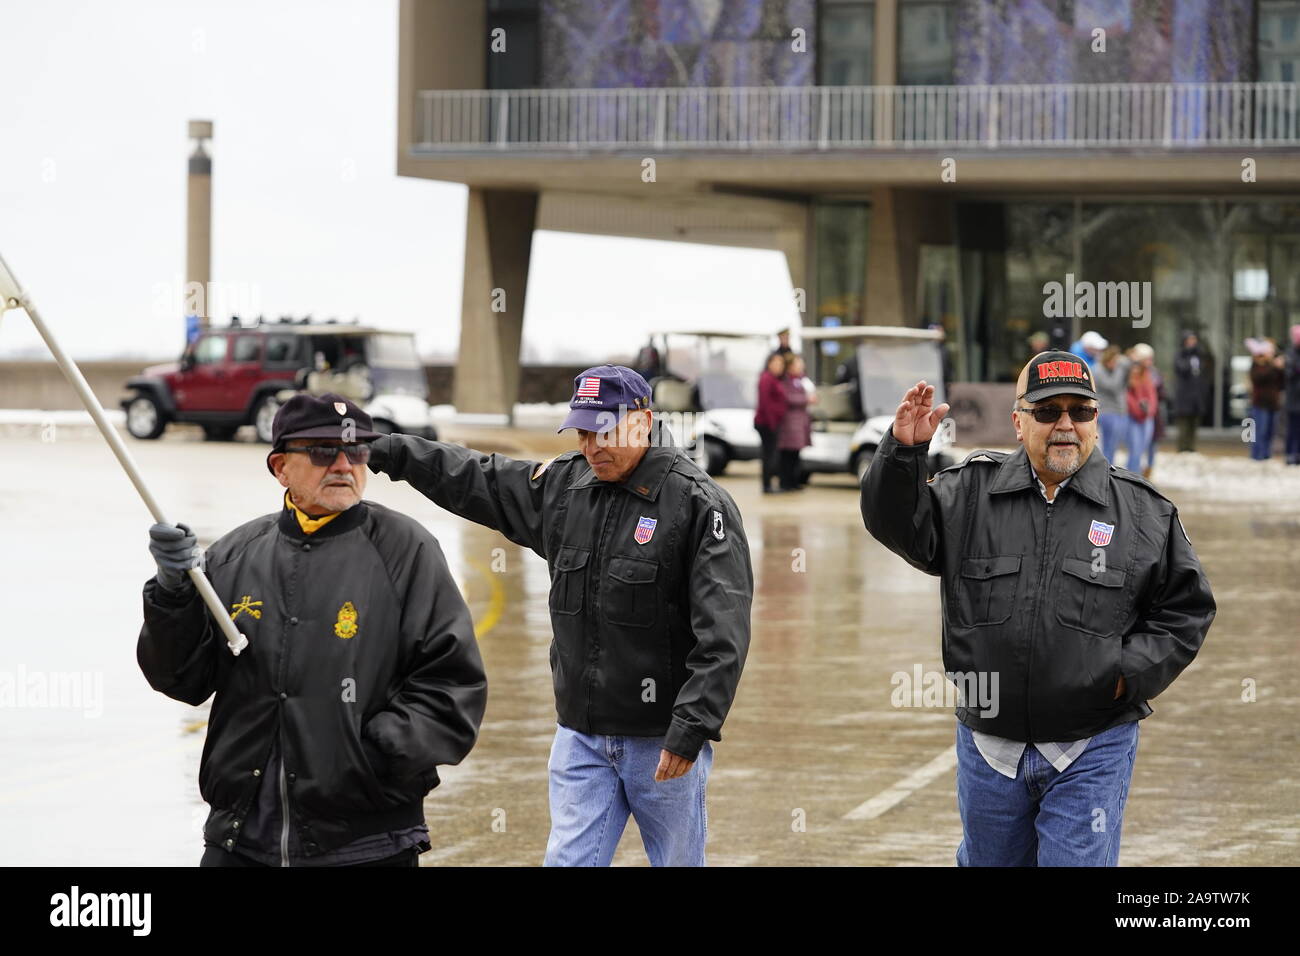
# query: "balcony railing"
(828, 118)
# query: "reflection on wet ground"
(812, 738)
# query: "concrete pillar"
(498, 242)
(198, 217)
(884, 70)
(902, 220)
(884, 47)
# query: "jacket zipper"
(284, 813)
(1038, 603)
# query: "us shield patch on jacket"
(1100, 533)
(645, 530)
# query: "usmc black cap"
(319, 416)
(1058, 373)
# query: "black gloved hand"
(172, 547)
(378, 454)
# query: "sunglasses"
(322, 456)
(1050, 414)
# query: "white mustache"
(1064, 437)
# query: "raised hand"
(916, 420)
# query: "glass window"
(1279, 40)
(845, 37)
(211, 349)
(925, 41)
(517, 66)
(841, 229)
(281, 349)
(248, 348)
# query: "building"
(917, 161)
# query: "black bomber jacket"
(651, 583)
(361, 661)
(1057, 600)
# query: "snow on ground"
(1228, 477)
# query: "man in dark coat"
(1192, 377)
(361, 675)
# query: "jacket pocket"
(568, 580)
(986, 589)
(1088, 600)
(630, 595)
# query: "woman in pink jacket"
(796, 426)
(768, 414)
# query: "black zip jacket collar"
(1016, 473)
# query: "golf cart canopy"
(874, 365)
(720, 367)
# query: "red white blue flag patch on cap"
(645, 530)
(1100, 533)
(590, 387)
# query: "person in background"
(1111, 375)
(945, 354)
(1191, 389)
(1147, 355)
(796, 425)
(1089, 347)
(1266, 383)
(1141, 406)
(783, 345)
(1040, 341)
(648, 364)
(1292, 373)
(768, 414)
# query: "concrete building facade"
(916, 161)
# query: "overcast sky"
(308, 213)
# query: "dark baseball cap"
(319, 416)
(601, 396)
(1058, 373)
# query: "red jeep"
(230, 377)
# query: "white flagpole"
(12, 296)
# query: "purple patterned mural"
(675, 43)
(1147, 41)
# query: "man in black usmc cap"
(650, 596)
(1071, 596)
(361, 674)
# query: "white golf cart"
(861, 372)
(707, 392)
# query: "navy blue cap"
(602, 395)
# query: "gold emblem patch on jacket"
(247, 604)
(346, 625)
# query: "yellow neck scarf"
(308, 524)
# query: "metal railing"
(1154, 115)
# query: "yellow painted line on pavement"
(496, 600)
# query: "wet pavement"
(816, 765)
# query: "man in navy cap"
(1071, 596)
(651, 587)
(361, 674)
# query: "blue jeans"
(1113, 426)
(1138, 439)
(1265, 419)
(597, 779)
(1044, 817)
